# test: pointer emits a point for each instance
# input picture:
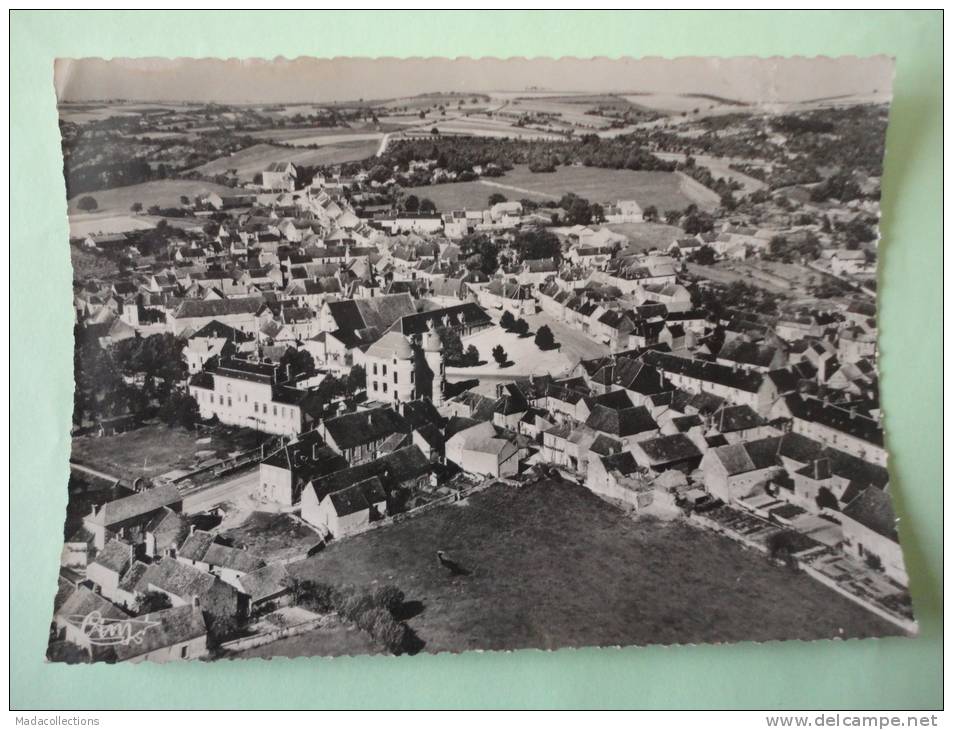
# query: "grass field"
(665, 190)
(256, 158)
(164, 193)
(553, 565)
(155, 449)
(645, 236)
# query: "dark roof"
(467, 314)
(670, 449)
(137, 505)
(392, 469)
(166, 628)
(840, 419)
(217, 307)
(872, 509)
(197, 544)
(115, 556)
(354, 429)
(621, 422)
(222, 330)
(380, 312)
(705, 371)
(623, 462)
(359, 497)
(737, 418)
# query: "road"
(383, 146)
(234, 487)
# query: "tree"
(295, 363)
(496, 198)
(427, 205)
(499, 354)
(356, 379)
(521, 327)
(672, 217)
(537, 243)
(696, 222)
(705, 255)
(87, 203)
(411, 203)
(452, 345)
(507, 320)
(472, 356)
(136, 207)
(184, 199)
(544, 338)
(650, 214)
(179, 409)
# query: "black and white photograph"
(406, 356)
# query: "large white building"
(243, 393)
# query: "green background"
(884, 673)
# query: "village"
(267, 376)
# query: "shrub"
(521, 327)
(507, 321)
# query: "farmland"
(256, 158)
(552, 565)
(164, 193)
(646, 236)
(665, 190)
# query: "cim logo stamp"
(111, 631)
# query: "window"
(256, 406)
(375, 368)
(221, 400)
(375, 385)
(184, 652)
(384, 368)
(411, 376)
(229, 401)
(395, 378)
(385, 387)
(274, 410)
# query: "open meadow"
(256, 158)
(551, 565)
(664, 190)
(164, 193)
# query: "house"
(166, 635)
(618, 476)
(279, 176)
(870, 533)
(361, 436)
(245, 393)
(841, 428)
(108, 567)
(736, 471)
(699, 376)
(628, 424)
(201, 551)
(283, 475)
(847, 263)
(479, 449)
(400, 371)
(623, 211)
(186, 585)
(351, 510)
(404, 470)
(675, 451)
(130, 514)
(266, 587)
(216, 339)
(241, 313)
(70, 619)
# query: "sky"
(348, 79)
